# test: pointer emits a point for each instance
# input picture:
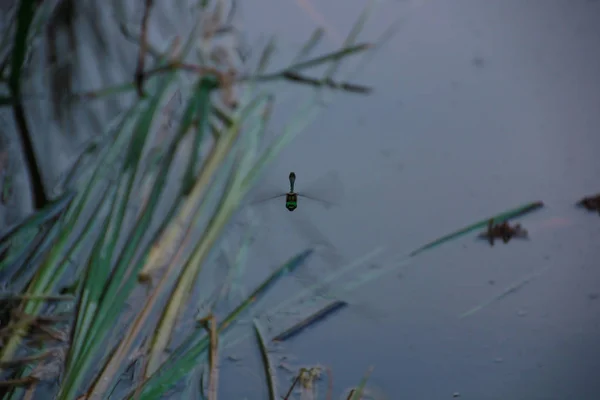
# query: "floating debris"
(319, 315)
(505, 216)
(503, 231)
(306, 381)
(234, 359)
(591, 203)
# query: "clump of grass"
(123, 248)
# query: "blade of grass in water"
(157, 253)
(209, 323)
(352, 36)
(269, 371)
(28, 241)
(192, 205)
(14, 296)
(50, 270)
(406, 260)
(511, 289)
(175, 231)
(312, 319)
(232, 285)
(357, 393)
(335, 56)
(52, 210)
(499, 218)
(19, 256)
(47, 275)
(124, 288)
(309, 46)
(202, 108)
(193, 265)
(265, 56)
(394, 265)
(187, 355)
(25, 14)
(107, 288)
(308, 291)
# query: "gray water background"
(478, 107)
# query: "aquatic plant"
(107, 272)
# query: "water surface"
(478, 107)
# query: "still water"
(477, 107)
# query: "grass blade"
(312, 319)
(499, 218)
(351, 39)
(357, 393)
(269, 371)
(186, 356)
(512, 288)
(209, 323)
(309, 46)
(25, 14)
(50, 211)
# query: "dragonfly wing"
(327, 189)
(264, 192)
(264, 199)
(324, 202)
(331, 256)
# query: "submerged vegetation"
(107, 288)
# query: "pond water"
(478, 107)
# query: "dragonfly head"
(292, 179)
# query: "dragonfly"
(328, 192)
(291, 197)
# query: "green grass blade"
(201, 183)
(357, 393)
(308, 291)
(25, 14)
(265, 56)
(351, 39)
(269, 370)
(499, 218)
(108, 290)
(187, 356)
(49, 212)
(206, 85)
(189, 274)
(20, 254)
(309, 46)
(310, 320)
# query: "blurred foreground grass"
(105, 274)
